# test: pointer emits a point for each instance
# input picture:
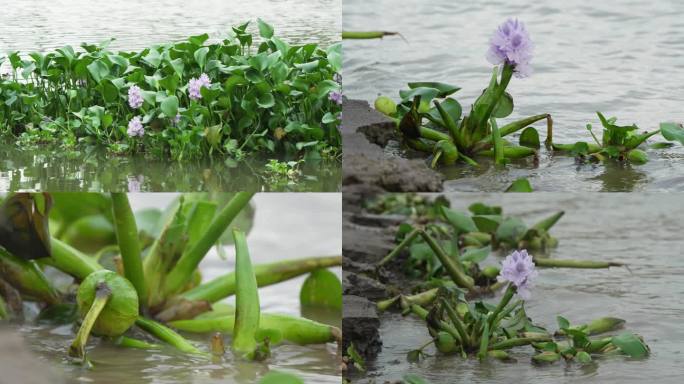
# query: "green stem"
(498, 143)
(408, 239)
(453, 269)
(266, 274)
(246, 301)
(549, 222)
(127, 237)
(129, 342)
(518, 342)
(456, 320)
(508, 295)
(166, 335)
(570, 263)
(366, 34)
(506, 75)
(484, 342)
(102, 296)
(70, 260)
(182, 272)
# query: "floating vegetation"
(443, 242)
(138, 278)
(484, 330)
(620, 142)
(191, 99)
(450, 137)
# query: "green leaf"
(153, 58)
(443, 88)
(520, 185)
(170, 106)
(630, 344)
(321, 289)
(672, 132)
(504, 107)
(459, 220)
(583, 357)
(265, 30)
(511, 230)
(201, 56)
(529, 138)
(487, 223)
(414, 379)
(334, 53)
(476, 255)
(426, 94)
(98, 70)
(266, 100)
(563, 323)
(450, 106)
(110, 92)
(274, 377)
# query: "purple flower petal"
(511, 44)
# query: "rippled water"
(42, 25)
(619, 57)
(642, 230)
(307, 234)
(48, 24)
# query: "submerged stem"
(102, 296)
(166, 335)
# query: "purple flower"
(519, 269)
(336, 97)
(135, 182)
(195, 85)
(135, 99)
(135, 127)
(511, 44)
(177, 119)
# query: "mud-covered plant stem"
(102, 296)
(182, 272)
(129, 245)
(246, 301)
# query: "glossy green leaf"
(459, 220)
(630, 344)
(529, 138)
(170, 106)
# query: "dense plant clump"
(138, 273)
(189, 99)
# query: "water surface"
(620, 57)
(642, 230)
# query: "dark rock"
(364, 286)
(366, 244)
(364, 162)
(360, 324)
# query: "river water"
(43, 25)
(641, 230)
(286, 226)
(619, 57)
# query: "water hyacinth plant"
(137, 273)
(190, 99)
(446, 243)
(449, 136)
(620, 142)
(485, 330)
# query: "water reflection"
(96, 171)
